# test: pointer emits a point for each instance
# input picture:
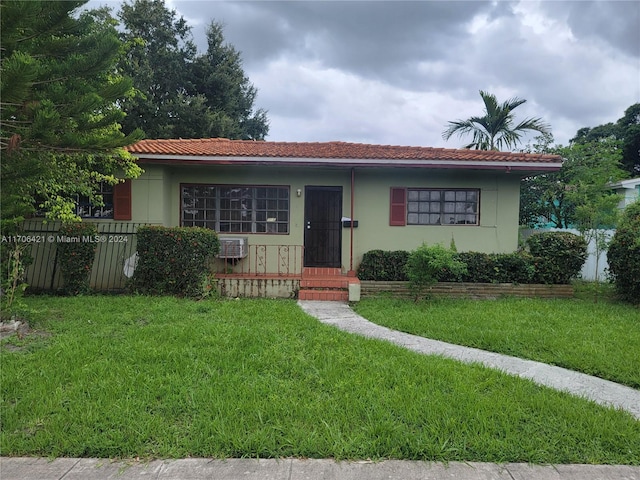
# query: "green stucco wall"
(156, 199)
(150, 200)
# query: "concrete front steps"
(328, 284)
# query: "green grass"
(162, 377)
(600, 339)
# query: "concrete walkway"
(600, 391)
(296, 469)
(341, 316)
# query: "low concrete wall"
(469, 290)
(258, 287)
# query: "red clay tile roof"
(222, 147)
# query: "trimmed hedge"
(555, 258)
(76, 254)
(380, 265)
(495, 268)
(624, 255)
(174, 261)
(558, 256)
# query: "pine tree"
(219, 76)
(60, 122)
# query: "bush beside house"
(174, 261)
(558, 256)
(76, 253)
(555, 258)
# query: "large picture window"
(442, 207)
(236, 209)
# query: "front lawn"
(162, 377)
(600, 339)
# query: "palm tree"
(495, 128)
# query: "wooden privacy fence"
(115, 248)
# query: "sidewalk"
(293, 469)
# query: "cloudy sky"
(395, 72)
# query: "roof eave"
(348, 162)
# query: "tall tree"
(496, 128)
(626, 129)
(60, 118)
(218, 75)
(180, 93)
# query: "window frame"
(442, 200)
(105, 189)
(257, 212)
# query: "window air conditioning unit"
(233, 247)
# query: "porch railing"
(263, 260)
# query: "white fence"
(589, 267)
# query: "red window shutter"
(398, 209)
(122, 201)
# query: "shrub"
(174, 260)
(15, 257)
(558, 256)
(76, 252)
(624, 255)
(513, 267)
(427, 262)
(494, 268)
(480, 267)
(387, 266)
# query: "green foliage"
(480, 267)
(495, 129)
(626, 130)
(180, 94)
(624, 255)
(383, 265)
(14, 259)
(427, 262)
(514, 267)
(76, 254)
(578, 194)
(59, 132)
(174, 261)
(517, 267)
(558, 256)
(219, 77)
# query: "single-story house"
(286, 211)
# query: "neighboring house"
(628, 189)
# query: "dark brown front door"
(322, 227)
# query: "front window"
(442, 207)
(85, 209)
(236, 209)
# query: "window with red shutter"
(122, 201)
(398, 208)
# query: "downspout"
(351, 272)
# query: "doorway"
(323, 227)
